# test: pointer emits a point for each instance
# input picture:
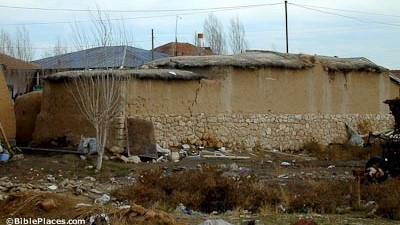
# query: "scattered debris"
(4, 156)
(52, 187)
(215, 222)
(331, 166)
(283, 176)
(103, 199)
(17, 157)
(82, 205)
(87, 145)
(130, 159)
(185, 146)
(116, 149)
(175, 156)
(163, 150)
(355, 138)
(99, 219)
(184, 209)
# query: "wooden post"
(358, 174)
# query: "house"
(7, 117)
(249, 101)
(183, 49)
(100, 58)
(21, 76)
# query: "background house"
(183, 49)
(20, 76)
(100, 58)
(257, 100)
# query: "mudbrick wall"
(261, 131)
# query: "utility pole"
(176, 35)
(287, 38)
(152, 44)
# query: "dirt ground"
(70, 180)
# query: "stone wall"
(261, 131)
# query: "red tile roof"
(183, 49)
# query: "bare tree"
(18, 46)
(6, 45)
(100, 32)
(99, 98)
(58, 49)
(23, 46)
(214, 34)
(237, 35)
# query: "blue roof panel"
(100, 57)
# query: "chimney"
(200, 40)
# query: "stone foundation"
(261, 131)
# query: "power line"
(137, 11)
(139, 17)
(345, 16)
(347, 10)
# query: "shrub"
(317, 196)
(206, 190)
(386, 195)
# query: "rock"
(124, 159)
(92, 179)
(95, 191)
(233, 167)
(17, 157)
(134, 159)
(286, 164)
(175, 156)
(48, 204)
(3, 197)
(116, 149)
(163, 150)
(83, 157)
(51, 179)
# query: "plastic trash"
(88, 145)
(215, 222)
(103, 199)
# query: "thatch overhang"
(260, 59)
(154, 74)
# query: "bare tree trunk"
(98, 97)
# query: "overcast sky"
(344, 28)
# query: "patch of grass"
(209, 189)
(386, 195)
(317, 196)
(345, 151)
(206, 190)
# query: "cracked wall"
(241, 108)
